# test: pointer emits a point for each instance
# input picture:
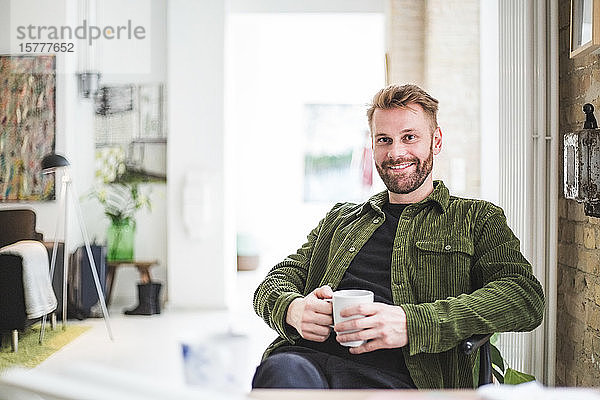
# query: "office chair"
(482, 342)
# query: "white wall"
(120, 64)
(200, 229)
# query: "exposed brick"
(594, 89)
(577, 333)
(596, 343)
(578, 237)
(587, 260)
(575, 111)
(571, 378)
(589, 237)
(560, 304)
(567, 232)
(567, 280)
(588, 337)
(581, 284)
(575, 307)
(584, 83)
(568, 352)
(406, 29)
(560, 373)
(597, 234)
(568, 255)
(562, 207)
(593, 315)
(590, 378)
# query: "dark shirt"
(371, 270)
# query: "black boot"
(156, 293)
(147, 300)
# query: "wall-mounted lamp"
(582, 164)
(88, 78)
(88, 83)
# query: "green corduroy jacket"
(456, 271)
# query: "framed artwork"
(130, 131)
(337, 157)
(585, 27)
(27, 126)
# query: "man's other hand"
(384, 326)
(311, 315)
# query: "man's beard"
(405, 184)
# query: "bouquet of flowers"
(117, 191)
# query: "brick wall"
(452, 73)
(578, 330)
(406, 41)
(435, 44)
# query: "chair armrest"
(470, 345)
(473, 343)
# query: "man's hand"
(384, 326)
(311, 315)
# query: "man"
(442, 268)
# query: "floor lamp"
(50, 164)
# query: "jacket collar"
(439, 196)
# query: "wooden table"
(279, 394)
(143, 268)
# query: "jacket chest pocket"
(443, 268)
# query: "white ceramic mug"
(345, 298)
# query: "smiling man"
(442, 268)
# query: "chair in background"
(481, 342)
(17, 225)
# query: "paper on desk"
(535, 391)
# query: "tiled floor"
(151, 345)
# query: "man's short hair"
(396, 96)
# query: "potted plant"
(120, 202)
(501, 372)
(119, 193)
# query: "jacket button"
(376, 221)
(448, 247)
(351, 249)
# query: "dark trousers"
(303, 368)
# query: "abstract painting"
(27, 126)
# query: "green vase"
(120, 239)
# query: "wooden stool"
(143, 268)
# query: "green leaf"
(476, 371)
(497, 375)
(513, 377)
(494, 338)
(496, 357)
